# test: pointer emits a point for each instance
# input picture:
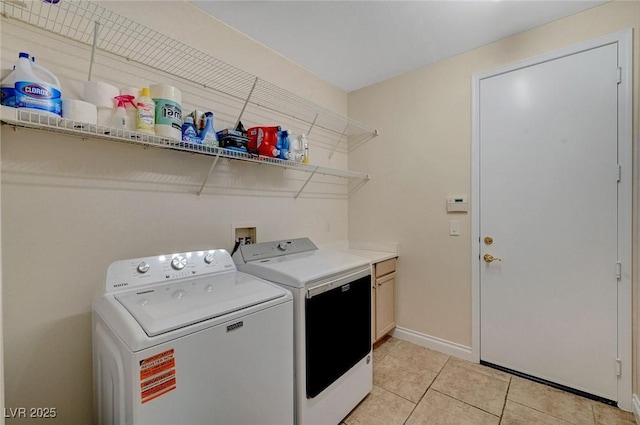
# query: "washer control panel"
(264, 250)
(125, 274)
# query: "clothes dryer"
(332, 303)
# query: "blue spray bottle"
(208, 135)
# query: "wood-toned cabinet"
(383, 298)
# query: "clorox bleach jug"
(8, 86)
(34, 93)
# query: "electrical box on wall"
(457, 204)
(244, 233)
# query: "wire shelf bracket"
(94, 45)
(338, 142)
(246, 102)
(305, 184)
(206, 179)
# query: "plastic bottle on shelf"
(146, 112)
(283, 144)
(131, 108)
(8, 86)
(305, 160)
(208, 135)
(189, 132)
(34, 93)
(121, 119)
(296, 147)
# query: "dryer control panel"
(264, 250)
(164, 268)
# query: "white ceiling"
(353, 44)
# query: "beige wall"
(423, 155)
(70, 206)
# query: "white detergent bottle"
(297, 143)
(8, 86)
(34, 93)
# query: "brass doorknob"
(490, 258)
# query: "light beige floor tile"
(477, 367)
(609, 415)
(474, 388)
(517, 414)
(439, 409)
(569, 407)
(392, 375)
(419, 358)
(380, 407)
(377, 357)
(384, 347)
(386, 344)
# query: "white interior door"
(548, 180)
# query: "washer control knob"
(208, 258)
(282, 246)
(143, 267)
(178, 262)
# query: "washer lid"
(297, 270)
(162, 308)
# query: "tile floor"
(413, 385)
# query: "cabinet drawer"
(385, 267)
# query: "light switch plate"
(454, 228)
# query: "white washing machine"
(187, 339)
(332, 303)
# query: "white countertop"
(374, 252)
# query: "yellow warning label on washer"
(157, 375)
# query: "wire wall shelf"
(105, 30)
(26, 119)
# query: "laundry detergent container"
(263, 141)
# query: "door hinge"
(618, 270)
(619, 172)
(618, 367)
(619, 75)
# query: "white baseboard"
(635, 407)
(434, 343)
